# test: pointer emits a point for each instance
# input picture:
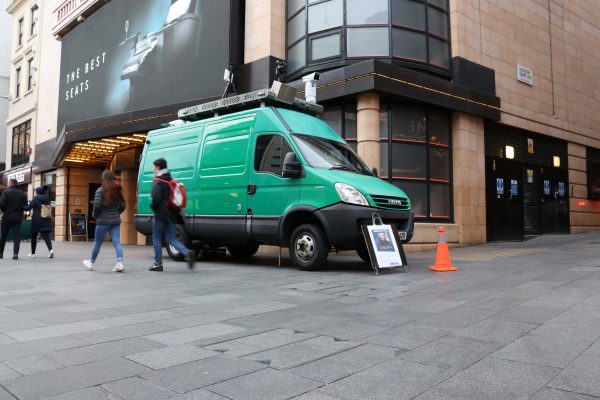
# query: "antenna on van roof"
(280, 95)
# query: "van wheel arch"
(296, 217)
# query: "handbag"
(46, 211)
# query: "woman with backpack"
(41, 219)
(109, 203)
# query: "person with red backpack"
(168, 199)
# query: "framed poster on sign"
(77, 225)
(384, 246)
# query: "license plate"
(402, 235)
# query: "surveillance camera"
(311, 77)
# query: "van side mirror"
(292, 168)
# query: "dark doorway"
(504, 195)
(554, 200)
(91, 193)
(531, 200)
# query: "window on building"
(593, 173)
(18, 82)
(270, 153)
(34, 18)
(30, 74)
(414, 31)
(21, 138)
(20, 31)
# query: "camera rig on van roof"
(278, 95)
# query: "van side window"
(270, 152)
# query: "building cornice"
(15, 6)
(69, 13)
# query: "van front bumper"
(342, 223)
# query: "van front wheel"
(308, 247)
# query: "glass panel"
(439, 164)
(350, 123)
(408, 13)
(409, 161)
(333, 117)
(270, 152)
(438, 22)
(384, 117)
(417, 194)
(409, 124)
(594, 180)
(440, 3)
(385, 157)
(361, 12)
(296, 56)
(325, 15)
(439, 200)
(296, 28)
(409, 44)
(439, 128)
(294, 5)
(326, 46)
(439, 53)
(368, 42)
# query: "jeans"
(162, 226)
(115, 236)
(7, 225)
(45, 236)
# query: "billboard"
(138, 54)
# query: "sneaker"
(31, 255)
(51, 254)
(118, 267)
(88, 264)
(15, 257)
(156, 267)
(191, 259)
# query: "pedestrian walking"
(165, 216)
(109, 203)
(41, 219)
(12, 204)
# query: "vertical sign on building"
(525, 75)
(530, 146)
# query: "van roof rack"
(279, 95)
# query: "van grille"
(392, 203)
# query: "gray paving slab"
(351, 330)
(170, 356)
(123, 332)
(136, 388)
(202, 373)
(7, 373)
(341, 365)
(65, 380)
(533, 315)
(103, 351)
(392, 380)
(495, 379)
(496, 330)
(53, 331)
(581, 376)
(555, 394)
(315, 395)
(187, 335)
(4, 395)
(544, 350)
(34, 364)
(407, 336)
(199, 394)
(266, 384)
(455, 318)
(451, 353)
(93, 393)
(296, 354)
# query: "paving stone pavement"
(517, 321)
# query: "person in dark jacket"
(165, 217)
(12, 203)
(109, 203)
(39, 225)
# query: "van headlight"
(349, 194)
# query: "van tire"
(308, 247)
(363, 253)
(243, 250)
(182, 236)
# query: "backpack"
(46, 211)
(177, 195)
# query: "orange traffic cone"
(442, 255)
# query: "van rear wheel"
(243, 250)
(183, 238)
(309, 247)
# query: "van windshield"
(329, 154)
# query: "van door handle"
(251, 189)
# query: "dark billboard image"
(138, 54)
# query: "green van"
(268, 174)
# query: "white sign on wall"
(525, 75)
